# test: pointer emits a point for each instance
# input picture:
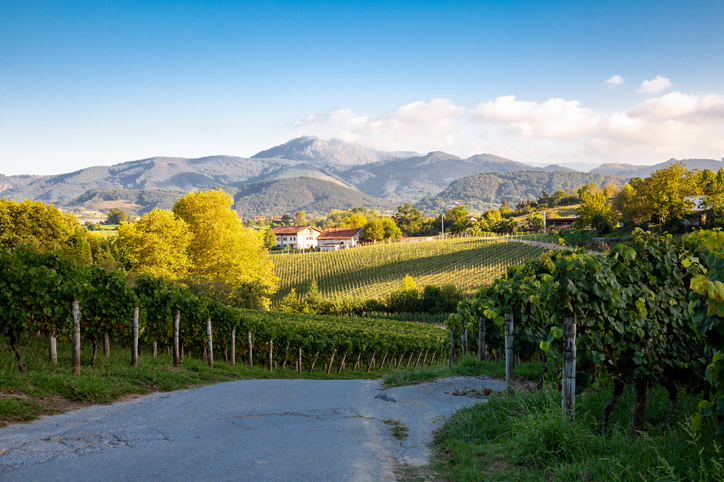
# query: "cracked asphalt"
(315, 430)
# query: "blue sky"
(89, 83)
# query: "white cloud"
(417, 126)
(554, 131)
(554, 118)
(613, 81)
(654, 86)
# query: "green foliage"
(116, 216)
(44, 227)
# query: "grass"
(374, 271)
(46, 389)
(468, 366)
(525, 438)
(399, 431)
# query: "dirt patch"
(499, 465)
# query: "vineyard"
(49, 294)
(374, 271)
(639, 312)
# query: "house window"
(285, 238)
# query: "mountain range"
(392, 178)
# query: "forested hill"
(280, 196)
(480, 191)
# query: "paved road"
(291, 430)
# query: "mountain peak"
(336, 151)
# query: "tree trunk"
(670, 386)
(451, 361)
(618, 386)
(641, 394)
(95, 344)
(15, 343)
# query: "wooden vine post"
(251, 350)
(233, 347)
(75, 310)
(509, 352)
(53, 349)
(134, 344)
(106, 344)
(299, 361)
(176, 352)
(451, 360)
(463, 339)
(271, 355)
(482, 349)
(568, 386)
(211, 343)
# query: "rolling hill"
(629, 170)
(480, 191)
(280, 196)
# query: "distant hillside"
(407, 180)
(310, 148)
(133, 201)
(480, 191)
(629, 170)
(311, 195)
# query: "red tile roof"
(339, 233)
(292, 230)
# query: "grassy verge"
(524, 438)
(468, 366)
(47, 389)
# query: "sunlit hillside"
(375, 271)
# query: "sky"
(86, 83)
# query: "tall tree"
(355, 220)
(670, 192)
(116, 216)
(457, 219)
(44, 227)
(156, 245)
(300, 218)
(594, 211)
(220, 246)
(409, 220)
(632, 203)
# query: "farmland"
(375, 271)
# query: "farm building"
(297, 237)
(333, 239)
(560, 223)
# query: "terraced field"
(375, 271)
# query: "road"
(291, 430)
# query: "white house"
(297, 237)
(333, 239)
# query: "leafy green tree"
(536, 221)
(220, 246)
(409, 220)
(116, 216)
(300, 218)
(713, 199)
(457, 219)
(156, 245)
(391, 230)
(287, 220)
(355, 220)
(270, 239)
(632, 203)
(669, 191)
(594, 208)
(374, 231)
(44, 228)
